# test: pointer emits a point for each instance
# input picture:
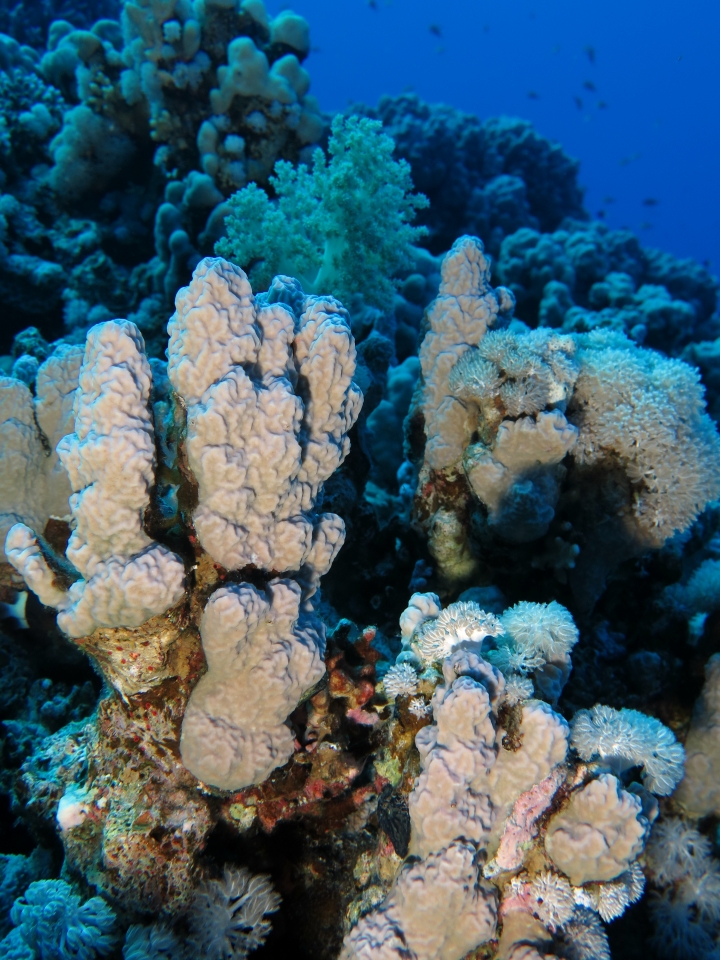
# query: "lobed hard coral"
(125, 578)
(547, 452)
(142, 609)
(560, 841)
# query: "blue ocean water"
(629, 87)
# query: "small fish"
(607, 200)
(578, 103)
(650, 202)
(486, 28)
(372, 4)
(435, 29)
(679, 58)
(556, 49)
(589, 85)
(532, 95)
(602, 105)
(646, 225)
(600, 214)
(316, 49)
(590, 51)
(394, 819)
(626, 160)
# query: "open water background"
(656, 67)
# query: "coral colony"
(361, 552)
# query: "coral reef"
(502, 412)
(321, 229)
(136, 603)
(488, 178)
(148, 123)
(361, 629)
(497, 782)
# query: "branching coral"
(323, 228)
(269, 399)
(229, 916)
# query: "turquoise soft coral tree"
(342, 227)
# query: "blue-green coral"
(52, 924)
(342, 227)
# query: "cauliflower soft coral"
(342, 227)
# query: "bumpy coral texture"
(699, 792)
(263, 653)
(270, 401)
(34, 485)
(465, 308)
(126, 577)
(438, 910)
(599, 834)
(342, 227)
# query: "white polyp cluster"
(627, 738)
